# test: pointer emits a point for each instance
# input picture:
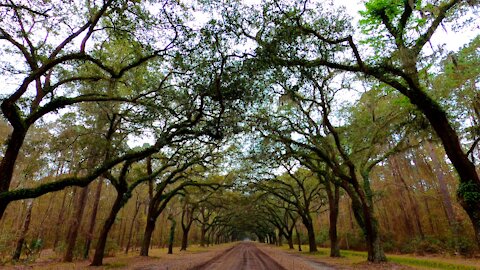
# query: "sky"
(453, 40)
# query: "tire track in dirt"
(242, 256)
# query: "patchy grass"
(355, 258)
(114, 265)
(429, 263)
(158, 259)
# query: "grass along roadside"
(351, 258)
(158, 259)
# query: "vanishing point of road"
(242, 256)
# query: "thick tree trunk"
(23, 232)
(75, 225)
(7, 165)
(147, 236)
(333, 200)
(93, 218)
(184, 240)
(102, 239)
(290, 241)
(364, 216)
(312, 245)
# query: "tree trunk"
(446, 199)
(122, 235)
(299, 239)
(312, 245)
(172, 235)
(102, 239)
(290, 241)
(202, 235)
(147, 236)
(23, 232)
(93, 218)
(364, 216)
(185, 239)
(60, 220)
(399, 177)
(137, 208)
(7, 165)
(333, 200)
(75, 225)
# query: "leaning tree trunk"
(147, 236)
(365, 219)
(7, 165)
(75, 225)
(93, 219)
(102, 239)
(130, 232)
(60, 221)
(299, 239)
(23, 232)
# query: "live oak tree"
(124, 190)
(56, 44)
(302, 190)
(306, 35)
(341, 155)
(173, 183)
(281, 214)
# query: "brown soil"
(242, 256)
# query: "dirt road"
(242, 256)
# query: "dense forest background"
(128, 125)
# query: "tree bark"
(446, 199)
(333, 200)
(60, 220)
(93, 218)
(147, 236)
(172, 235)
(203, 232)
(23, 232)
(290, 241)
(299, 239)
(184, 240)
(7, 165)
(364, 216)
(75, 224)
(312, 245)
(137, 208)
(102, 239)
